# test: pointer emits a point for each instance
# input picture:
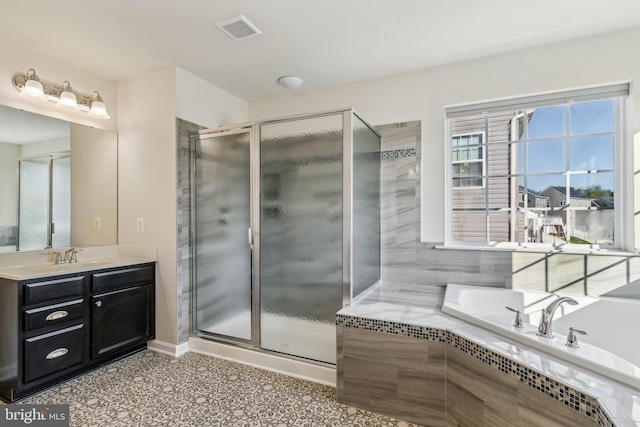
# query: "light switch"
(140, 225)
(97, 223)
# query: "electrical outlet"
(140, 225)
(97, 223)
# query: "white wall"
(94, 186)
(147, 161)
(18, 59)
(45, 147)
(147, 181)
(200, 102)
(9, 154)
(423, 95)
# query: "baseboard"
(167, 348)
(294, 368)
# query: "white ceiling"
(326, 42)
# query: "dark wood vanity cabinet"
(122, 310)
(57, 327)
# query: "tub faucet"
(544, 328)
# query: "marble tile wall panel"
(606, 274)
(183, 276)
(528, 271)
(411, 275)
(398, 202)
(394, 374)
(565, 272)
(494, 388)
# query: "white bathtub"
(611, 348)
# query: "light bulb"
(98, 110)
(32, 86)
(67, 99)
(33, 89)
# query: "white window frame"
(624, 236)
(483, 146)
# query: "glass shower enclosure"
(44, 205)
(286, 229)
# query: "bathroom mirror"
(58, 183)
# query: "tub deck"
(401, 307)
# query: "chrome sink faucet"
(70, 255)
(544, 328)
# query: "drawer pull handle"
(57, 315)
(57, 353)
(99, 304)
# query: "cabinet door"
(121, 319)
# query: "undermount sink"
(74, 265)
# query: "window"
(468, 160)
(539, 170)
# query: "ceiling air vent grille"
(238, 28)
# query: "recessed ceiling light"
(290, 81)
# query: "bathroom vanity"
(57, 322)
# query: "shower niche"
(285, 229)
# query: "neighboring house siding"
(471, 226)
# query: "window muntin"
(561, 156)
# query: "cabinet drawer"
(48, 353)
(53, 315)
(124, 278)
(50, 290)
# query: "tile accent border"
(396, 154)
(571, 397)
(389, 327)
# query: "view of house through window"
(536, 175)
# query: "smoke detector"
(238, 28)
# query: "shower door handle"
(250, 236)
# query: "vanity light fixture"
(63, 96)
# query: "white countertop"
(420, 305)
(36, 271)
(37, 264)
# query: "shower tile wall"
(183, 129)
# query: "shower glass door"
(222, 218)
(301, 220)
(44, 218)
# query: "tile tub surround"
(408, 312)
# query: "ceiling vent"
(238, 28)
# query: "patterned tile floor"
(152, 389)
